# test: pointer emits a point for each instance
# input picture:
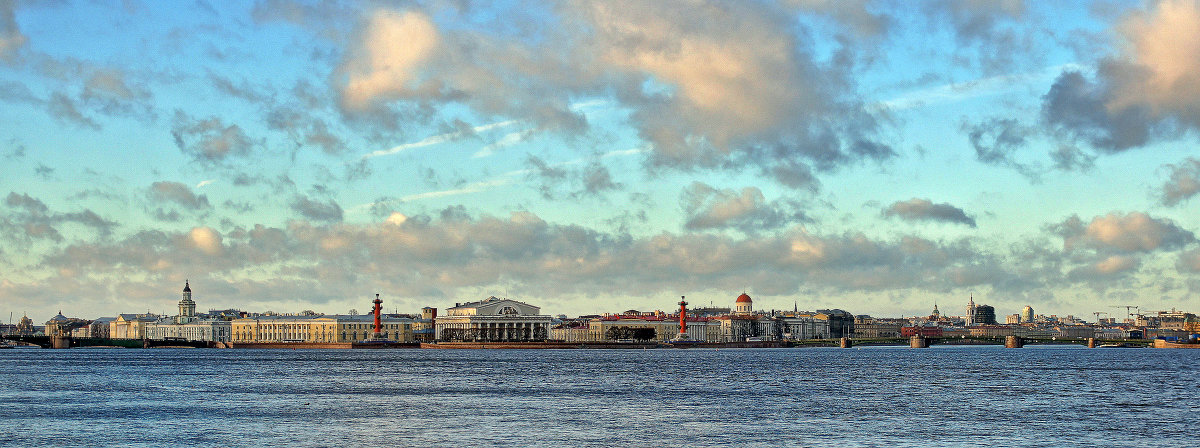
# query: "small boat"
(1120, 345)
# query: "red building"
(929, 332)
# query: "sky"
(587, 157)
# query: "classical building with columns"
(492, 320)
(319, 328)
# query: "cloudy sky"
(594, 157)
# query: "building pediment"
(495, 307)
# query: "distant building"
(493, 320)
(1012, 319)
(60, 325)
(25, 326)
(319, 328)
(131, 326)
(970, 316)
(187, 325)
(1027, 315)
(637, 326)
(984, 315)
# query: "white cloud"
(438, 139)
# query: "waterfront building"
(423, 330)
(658, 327)
(1074, 331)
(990, 331)
(871, 327)
(493, 320)
(130, 326)
(60, 325)
(25, 326)
(984, 315)
(743, 305)
(573, 331)
(803, 326)
(187, 325)
(953, 331)
(970, 317)
(928, 331)
(743, 325)
(100, 327)
(317, 328)
(1027, 315)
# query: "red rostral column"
(682, 316)
(378, 307)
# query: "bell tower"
(187, 308)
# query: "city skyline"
(869, 156)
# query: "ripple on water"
(963, 396)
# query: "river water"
(871, 396)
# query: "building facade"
(187, 325)
(319, 328)
(130, 326)
(493, 320)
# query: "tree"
(644, 334)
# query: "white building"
(492, 320)
(188, 326)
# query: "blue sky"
(595, 157)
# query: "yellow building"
(319, 328)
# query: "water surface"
(877, 396)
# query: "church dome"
(186, 286)
(743, 299)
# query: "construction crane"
(1098, 313)
(1128, 314)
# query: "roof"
(486, 301)
(744, 298)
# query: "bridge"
(70, 342)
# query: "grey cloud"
(1183, 183)
(857, 16)
(17, 92)
(11, 38)
(1070, 158)
(710, 208)
(240, 207)
(1189, 261)
(64, 108)
(37, 221)
(209, 139)
(178, 193)
(1078, 109)
(917, 209)
(30, 204)
(243, 90)
(456, 253)
(317, 210)
(998, 33)
(597, 180)
(996, 139)
(43, 171)
(1105, 270)
(166, 215)
(636, 52)
(794, 174)
(1122, 233)
(108, 92)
